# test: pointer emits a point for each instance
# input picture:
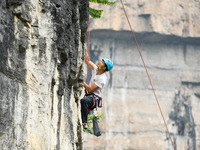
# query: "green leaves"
(105, 2)
(97, 13)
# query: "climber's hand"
(87, 58)
(91, 88)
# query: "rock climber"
(96, 86)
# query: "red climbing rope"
(147, 74)
(88, 48)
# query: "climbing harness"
(97, 101)
(147, 74)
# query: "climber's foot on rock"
(84, 125)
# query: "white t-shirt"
(99, 80)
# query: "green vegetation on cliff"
(95, 13)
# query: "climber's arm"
(87, 60)
(92, 88)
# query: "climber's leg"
(85, 104)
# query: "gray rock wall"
(41, 73)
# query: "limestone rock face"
(41, 73)
(178, 18)
(168, 36)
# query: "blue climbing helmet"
(108, 63)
